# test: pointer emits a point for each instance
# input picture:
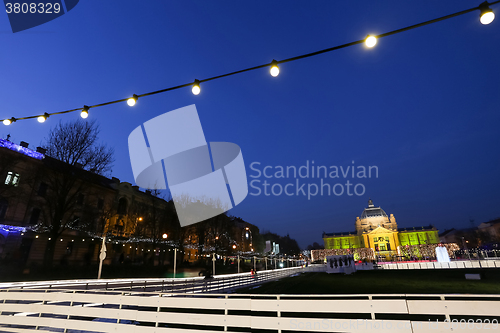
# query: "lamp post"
(164, 236)
(102, 256)
(213, 264)
(175, 260)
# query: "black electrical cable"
(482, 5)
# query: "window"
(100, 204)
(122, 206)
(35, 215)
(42, 190)
(12, 178)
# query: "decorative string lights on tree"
(486, 17)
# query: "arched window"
(122, 206)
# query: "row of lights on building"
(486, 17)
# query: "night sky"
(422, 106)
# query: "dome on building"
(373, 211)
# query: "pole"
(266, 262)
(175, 260)
(102, 256)
(254, 263)
(213, 264)
(238, 263)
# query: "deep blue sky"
(422, 106)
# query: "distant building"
(492, 229)
(378, 231)
(451, 236)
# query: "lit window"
(12, 179)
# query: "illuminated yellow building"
(378, 231)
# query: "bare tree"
(72, 174)
(76, 143)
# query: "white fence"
(88, 311)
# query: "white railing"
(219, 283)
(73, 311)
(492, 263)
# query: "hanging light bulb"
(371, 41)
(275, 70)
(196, 87)
(132, 100)
(85, 112)
(41, 119)
(7, 122)
(487, 16)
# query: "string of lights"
(134, 242)
(486, 17)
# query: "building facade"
(376, 230)
(140, 226)
(33, 184)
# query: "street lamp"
(164, 236)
